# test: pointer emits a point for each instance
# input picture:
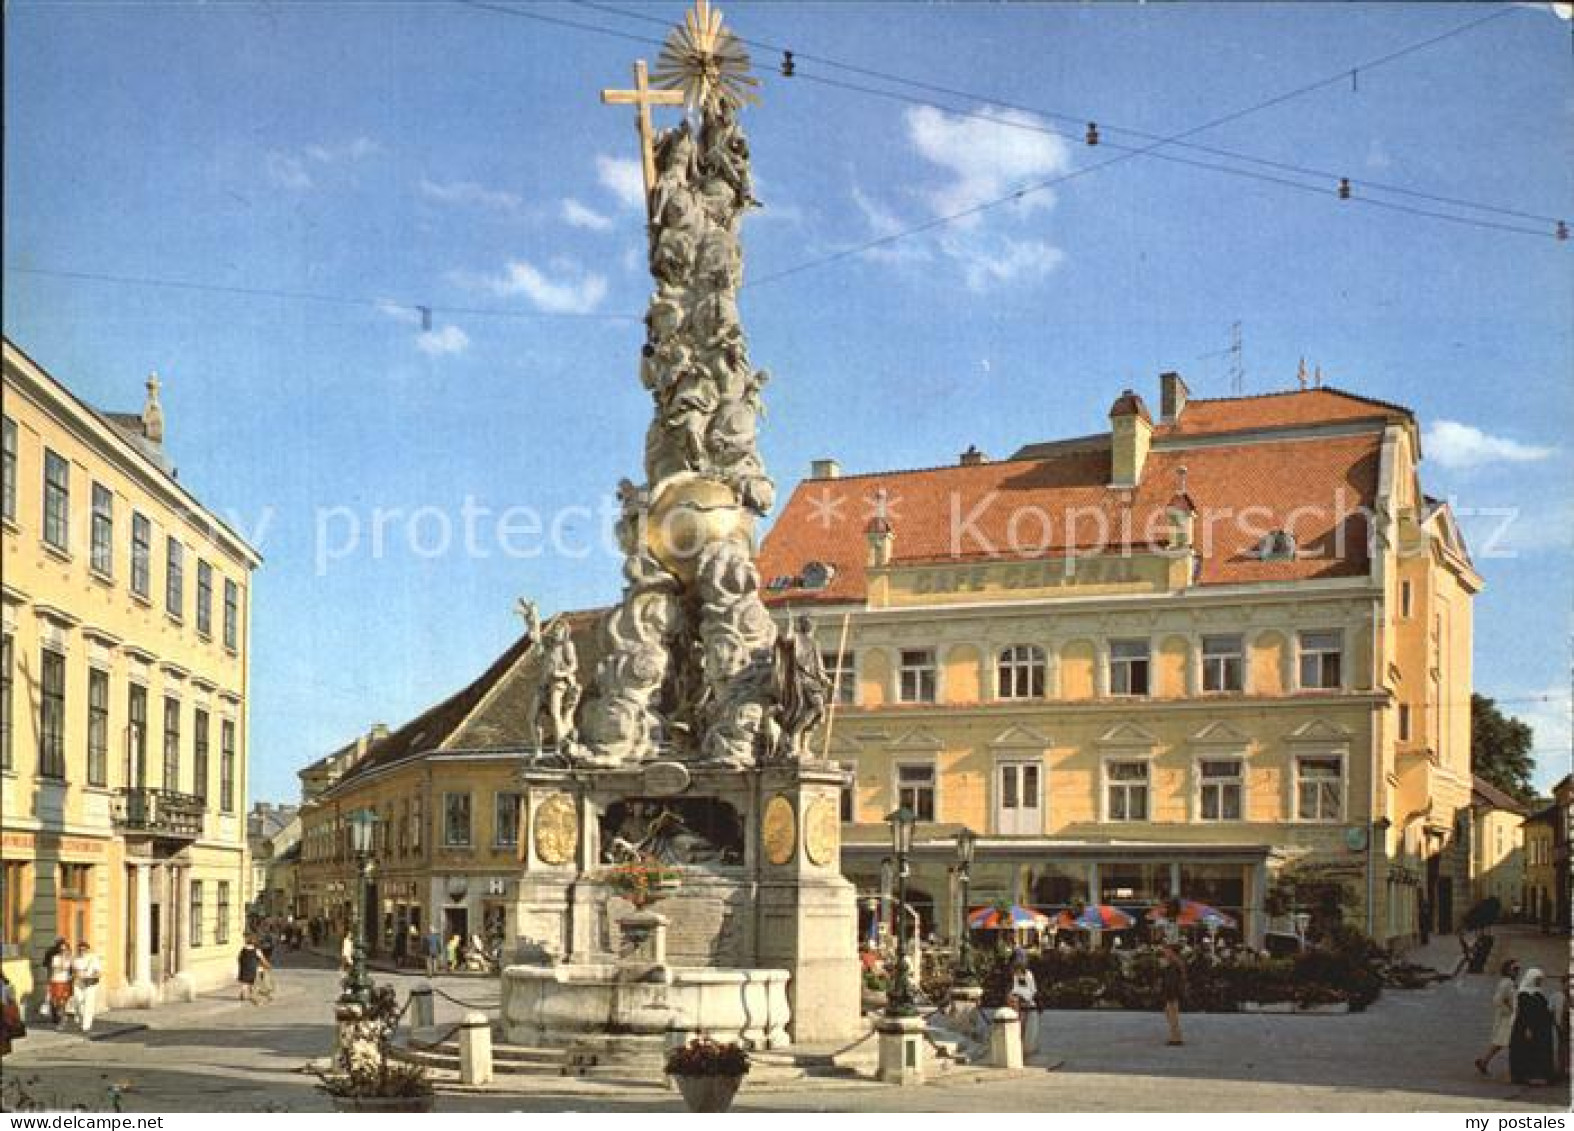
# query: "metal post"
(966, 973)
(356, 990)
(900, 999)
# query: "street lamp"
(966, 845)
(899, 1001)
(363, 827)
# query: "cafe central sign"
(1003, 579)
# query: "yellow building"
(126, 635)
(1189, 657)
(1497, 835)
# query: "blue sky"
(389, 156)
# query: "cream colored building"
(126, 636)
(1185, 656)
(1497, 846)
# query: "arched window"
(1021, 672)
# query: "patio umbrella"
(1192, 914)
(1015, 917)
(1094, 917)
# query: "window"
(103, 546)
(204, 598)
(136, 736)
(52, 716)
(417, 822)
(1320, 659)
(1220, 788)
(1128, 667)
(915, 790)
(456, 819)
(5, 701)
(172, 744)
(227, 765)
(841, 671)
(196, 913)
(57, 500)
(8, 472)
(849, 795)
(13, 877)
(1020, 672)
(505, 820)
(917, 676)
(174, 576)
(1128, 790)
(231, 615)
(1319, 785)
(97, 726)
(1223, 662)
(199, 760)
(1406, 598)
(404, 826)
(221, 925)
(1404, 722)
(141, 555)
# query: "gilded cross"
(643, 98)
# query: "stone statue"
(556, 693)
(802, 688)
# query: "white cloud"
(399, 312)
(882, 223)
(447, 339)
(1457, 446)
(989, 263)
(569, 290)
(470, 194)
(987, 158)
(355, 150)
(287, 171)
(623, 178)
(577, 215)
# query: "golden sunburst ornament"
(704, 59)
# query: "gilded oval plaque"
(822, 831)
(779, 830)
(557, 829)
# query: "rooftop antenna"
(1237, 356)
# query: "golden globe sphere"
(690, 512)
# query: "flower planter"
(708, 1093)
(384, 1103)
(1332, 1007)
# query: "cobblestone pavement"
(1412, 1051)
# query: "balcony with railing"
(158, 813)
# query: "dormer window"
(1277, 546)
(818, 575)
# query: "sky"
(316, 174)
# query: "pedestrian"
(1023, 998)
(13, 1026)
(434, 951)
(248, 962)
(1503, 999)
(1172, 986)
(1530, 1044)
(453, 951)
(346, 952)
(86, 972)
(1558, 1005)
(59, 962)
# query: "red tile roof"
(1314, 487)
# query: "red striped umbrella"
(1094, 917)
(1011, 918)
(1192, 914)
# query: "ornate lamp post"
(899, 1001)
(357, 987)
(966, 845)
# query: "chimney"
(1182, 514)
(1131, 429)
(972, 457)
(824, 469)
(1173, 395)
(880, 533)
(379, 732)
(153, 413)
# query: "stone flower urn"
(708, 1093)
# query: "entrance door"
(1019, 798)
(456, 921)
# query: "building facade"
(273, 837)
(126, 637)
(1548, 832)
(1497, 847)
(1197, 656)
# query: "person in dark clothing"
(1172, 985)
(1530, 1045)
(248, 962)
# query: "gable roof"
(1296, 408)
(1485, 795)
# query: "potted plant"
(365, 1077)
(708, 1073)
(643, 881)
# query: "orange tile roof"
(1324, 481)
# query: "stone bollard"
(421, 1016)
(1005, 1038)
(901, 1050)
(475, 1050)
